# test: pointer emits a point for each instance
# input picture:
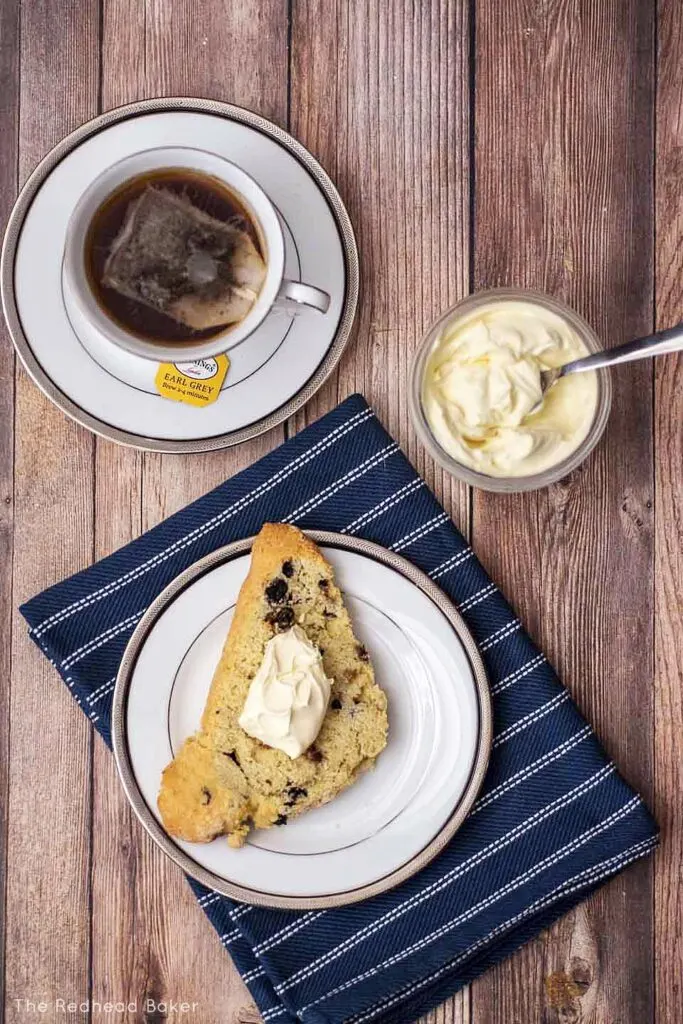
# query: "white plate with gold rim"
(272, 373)
(395, 818)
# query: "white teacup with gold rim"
(176, 254)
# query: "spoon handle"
(669, 340)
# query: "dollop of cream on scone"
(289, 694)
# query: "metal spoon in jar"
(670, 340)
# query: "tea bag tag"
(195, 383)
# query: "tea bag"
(177, 259)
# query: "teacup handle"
(305, 295)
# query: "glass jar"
(507, 484)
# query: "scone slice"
(253, 785)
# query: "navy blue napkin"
(553, 820)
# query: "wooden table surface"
(476, 143)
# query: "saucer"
(272, 373)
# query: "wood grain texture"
(9, 125)
(126, 965)
(49, 799)
(571, 973)
(149, 937)
(563, 115)
(232, 51)
(380, 94)
(668, 575)
(454, 1011)
(563, 125)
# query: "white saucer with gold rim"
(291, 356)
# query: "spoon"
(669, 340)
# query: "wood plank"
(49, 796)
(668, 710)
(392, 129)
(563, 127)
(455, 1010)
(150, 939)
(9, 129)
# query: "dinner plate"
(397, 816)
(271, 374)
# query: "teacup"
(83, 306)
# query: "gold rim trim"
(241, 893)
(202, 106)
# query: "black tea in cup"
(173, 255)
